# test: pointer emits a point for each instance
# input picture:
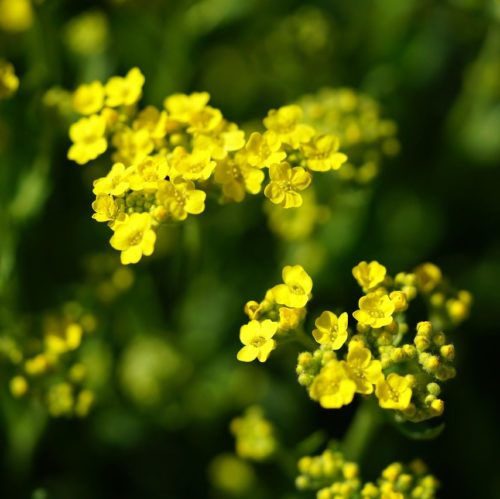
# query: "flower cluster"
(167, 160)
(378, 356)
(49, 368)
(333, 477)
(282, 310)
(9, 82)
(356, 119)
(254, 435)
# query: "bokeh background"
(161, 357)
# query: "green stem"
(365, 424)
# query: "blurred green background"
(161, 359)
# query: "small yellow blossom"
(331, 329)
(9, 82)
(205, 121)
(18, 386)
(196, 165)
(254, 435)
(237, 178)
(264, 150)
(178, 198)
(428, 276)
(257, 338)
(89, 98)
(369, 275)
(181, 107)
(116, 182)
(132, 145)
(322, 153)
(134, 237)
(285, 184)
(16, 16)
(124, 91)
(88, 139)
(148, 174)
(285, 122)
(296, 290)
(375, 310)
(394, 392)
(153, 120)
(290, 318)
(332, 387)
(362, 369)
(226, 138)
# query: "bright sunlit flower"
(89, 98)
(331, 329)
(285, 184)
(296, 290)
(124, 91)
(88, 139)
(369, 275)
(257, 338)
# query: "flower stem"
(366, 422)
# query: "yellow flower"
(153, 120)
(134, 237)
(428, 276)
(132, 145)
(257, 338)
(394, 392)
(18, 386)
(290, 318)
(285, 184)
(237, 177)
(226, 138)
(9, 82)
(178, 198)
(16, 15)
(196, 165)
(285, 121)
(331, 329)
(264, 150)
(375, 310)
(89, 98)
(332, 387)
(296, 290)
(149, 173)
(361, 368)
(369, 275)
(116, 182)
(322, 153)
(181, 107)
(88, 139)
(124, 91)
(105, 208)
(205, 120)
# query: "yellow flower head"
(196, 165)
(105, 208)
(181, 107)
(226, 138)
(331, 329)
(296, 290)
(332, 387)
(149, 173)
(178, 198)
(206, 120)
(375, 310)
(153, 120)
(257, 338)
(394, 392)
(88, 139)
(290, 318)
(322, 153)
(285, 121)
(134, 237)
(116, 182)
(124, 91)
(15, 15)
(428, 276)
(89, 98)
(9, 82)
(285, 184)
(264, 150)
(362, 369)
(369, 275)
(132, 145)
(237, 178)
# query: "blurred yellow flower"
(369, 275)
(285, 122)
(9, 82)
(124, 91)
(16, 16)
(88, 98)
(321, 154)
(257, 338)
(88, 139)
